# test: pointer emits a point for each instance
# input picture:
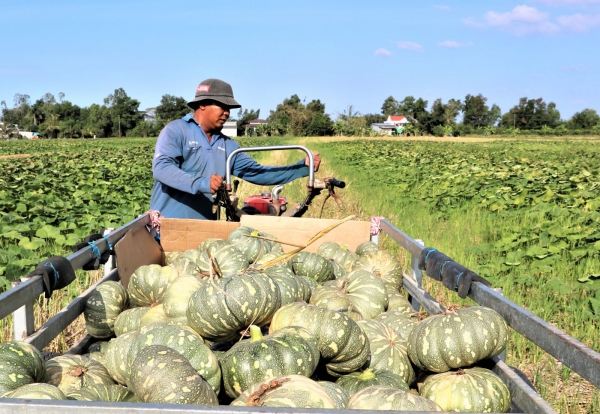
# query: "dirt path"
(7, 157)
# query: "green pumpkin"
(388, 350)
(148, 284)
(343, 345)
(328, 249)
(185, 341)
(177, 296)
(344, 258)
(384, 266)
(171, 257)
(99, 346)
(338, 270)
(399, 321)
(288, 351)
(102, 308)
(383, 398)
(72, 372)
(102, 392)
(467, 390)
(117, 356)
(37, 392)
(306, 287)
(457, 339)
(228, 306)
(363, 291)
(398, 301)
(160, 374)
(251, 247)
(339, 395)
(313, 266)
(154, 315)
(356, 381)
(287, 283)
(207, 243)
(129, 320)
(365, 248)
(225, 260)
(295, 391)
(20, 364)
(186, 266)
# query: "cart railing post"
(22, 317)
(417, 275)
(110, 263)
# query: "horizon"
(342, 53)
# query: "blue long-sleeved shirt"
(184, 161)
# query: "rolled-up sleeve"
(166, 165)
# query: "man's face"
(214, 115)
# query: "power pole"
(119, 125)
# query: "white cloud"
(407, 45)
(522, 20)
(382, 52)
(471, 22)
(453, 44)
(441, 7)
(579, 22)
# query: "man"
(191, 153)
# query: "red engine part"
(262, 201)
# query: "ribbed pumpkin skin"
(343, 345)
(356, 381)
(365, 291)
(72, 372)
(116, 356)
(339, 395)
(286, 391)
(382, 398)
(129, 320)
(185, 266)
(177, 296)
(100, 346)
(309, 286)
(469, 390)
(397, 301)
(388, 350)
(366, 247)
(287, 282)
(442, 342)
(149, 283)
(328, 249)
(229, 305)
(37, 391)
(154, 315)
(20, 364)
(399, 321)
(227, 259)
(171, 257)
(290, 350)
(101, 392)
(102, 308)
(160, 374)
(334, 299)
(312, 265)
(185, 341)
(384, 266)
(251, 247)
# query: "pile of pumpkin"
(231, 323)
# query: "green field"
(522, 213)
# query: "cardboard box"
(139, 248)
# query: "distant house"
(253, 124)
(392, 126)
(149, 115)
(230, 129)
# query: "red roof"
(397, 117)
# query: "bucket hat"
(214, 90)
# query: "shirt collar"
(215, 137)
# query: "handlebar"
(337, 183)
(311, 161)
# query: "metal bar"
(55, 325)
(311, 160)
(110, 263)
(521, 392)
(401, 238)
(28, 291)
(568, 350)
(417, 275)
(22, 318)
(25, 406)
(424, 298)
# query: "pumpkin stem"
(460, 371)
(366, 375)
(255, 399)
(255, 333)
(452, 309)
(78, 371)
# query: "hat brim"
(230, 102)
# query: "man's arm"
(247, 169)
(168, 156)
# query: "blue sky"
(342, 52)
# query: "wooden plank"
(55, 325)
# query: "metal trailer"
(19, 302)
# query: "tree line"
(120, 116)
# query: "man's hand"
(215, 182)
(316, 159)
